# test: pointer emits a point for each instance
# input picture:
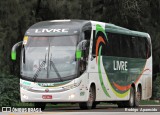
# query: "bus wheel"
(131, 101)
(90, 103)
(137, 97)
(40, 105)
(121, 104)
(94, 105)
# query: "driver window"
(86, 36)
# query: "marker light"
(71, 96)
(25, 96)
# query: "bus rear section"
(123, 63)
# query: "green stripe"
(120, 95)
(101, 29)
(100, 74)
(54, 84)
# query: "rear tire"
(91, 100)
(40, 105)
(137, 97)
(131, 101)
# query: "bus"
(84, 62)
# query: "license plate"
(47, 96)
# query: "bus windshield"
(49, 58)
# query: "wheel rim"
(138, 97)
(91, 98)
(132, 98)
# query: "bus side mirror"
(78, 54)
(80, 47)
(13, 52)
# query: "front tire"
(40, 105)
(91, 100)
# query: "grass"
(143, 102)
(149, 102)
(21, 104)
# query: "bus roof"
(56, 27)
(117, 29)
(69, 27)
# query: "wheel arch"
(133, 85)
(139, 86)
(136, 87)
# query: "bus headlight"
(25, 87)
(71, 96)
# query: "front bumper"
(72, 95)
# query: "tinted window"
(37, 42)
(125, 46)
(64, 41)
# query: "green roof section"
(117, 29)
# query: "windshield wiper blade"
(54, 67)
(39, 69)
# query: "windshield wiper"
(55, 69)
(39, 69)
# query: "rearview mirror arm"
(13, 52)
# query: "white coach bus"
(85, 62)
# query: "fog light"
(25, 96)
(71, 96)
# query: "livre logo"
(44, 30)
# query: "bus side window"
(114, 41)
(148, 48)
(136, 48)
(108, 48)
(85, 52)
(142, 49)
(124, 46)
(94, 44)
(87, 34)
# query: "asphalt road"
(106, 108)
(100, 110)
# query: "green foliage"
(9, 90)
(156, 87)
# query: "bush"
(156, 87)
(9, 90)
